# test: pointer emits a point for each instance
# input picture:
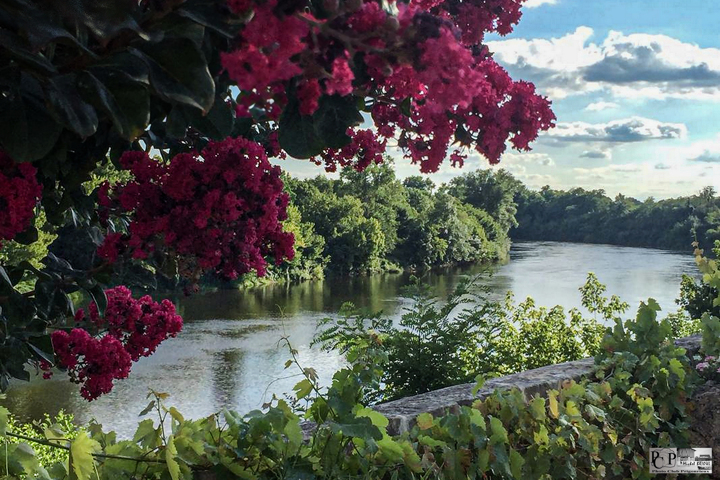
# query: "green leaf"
(294, 434)
(541, 437)
(499, 434)
(45, 292)
(377, 418)
(5, 282)
(30, 132)
(425, 421)
(537, 408)
(501, 463)
(17, 48)
(483, 460)
(516, 463)
(20, 309)
(216, 125)
(335, 114)
(391, 449)
(81, 450)
(123, 67)
(107, 18)
(179, 72)
(26, 456)
(45, 353)
(553, 404)
(28, 236)
(146, 434)
(174, 413)
(126, 103)
(69, 107)
(147, 409)
(207, 13)
(595, 412)
(430, 441)
(297, 135)
(4, 416)
(479, 383)
(362, 427)
(303, 388)
(170, 459)
(98, 296)
(572, 409)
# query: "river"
(229, 354)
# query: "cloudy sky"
(635, 85)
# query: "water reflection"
(229, 353)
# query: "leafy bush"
(600, 427)
(707, 307)
(436, 345)
(61, 425)
(696, 298)
(682, 324)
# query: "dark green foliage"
(491, 192)
(696, 297)
(309, 261)
(590, 216)
(370, 221)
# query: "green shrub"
(682, 324)
(61, 425)
(707, 307)
(436, 344)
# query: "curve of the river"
(228, 353)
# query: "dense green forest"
(590, 216)
(371, 221)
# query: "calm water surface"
(229, 354)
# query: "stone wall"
(403, 412)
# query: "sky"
(635, 86)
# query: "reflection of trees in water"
(370, 293)
(30, 401)
(225, 379)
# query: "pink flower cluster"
(365, 148)
(458, 97)
(424, 71)
(141, 325)
(93, 362)
(218, 211)
(19, 194)
(708, 365)
(133, 329)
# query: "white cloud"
(537, 180)
(707, 156)
(599, 106)
(645, 65)
(516, 158)
(641, 180)
(627, 130)
(597, 154)
(538, 3)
